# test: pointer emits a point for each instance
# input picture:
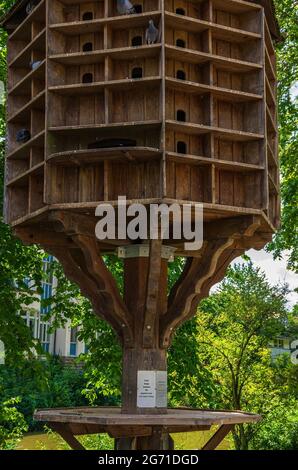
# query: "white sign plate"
(152, 389)
(146, 389)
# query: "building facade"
(62, 342)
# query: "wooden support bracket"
(218, 437)
(200, 274)
(65, 432)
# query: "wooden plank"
(186, 23)
(228, 134)
(201, 88)
(218, 437)
(152, 296)
(121, 53)
(116, 22)
(192, 56)
(174, 418)
(66, 434)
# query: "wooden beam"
(103, 293)
(34, 236)
(87, 285)
(99, 272)
(74, 223)
(64, 431)
(153, 282)
(197, 274)
(218, 437)
(200, 275)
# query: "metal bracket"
(143, 251)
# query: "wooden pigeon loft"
(196, 116)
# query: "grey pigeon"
(34, 65)
(30, 6)
(152, 33)
(124, 7)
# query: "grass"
(52, 441)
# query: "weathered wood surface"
(141, 432)
(67, 435)
(223, 80)
(218, 437)
(192, 418)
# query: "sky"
(275, 270)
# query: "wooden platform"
(70, 422)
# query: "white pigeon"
(125, 7)
(152, 33)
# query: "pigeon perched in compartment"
(23, 135)
(152, 33)
(30, 6)
(34, 64)
(125, 7)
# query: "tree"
(232, 331)
(17, 262)
(12, 424)
(287, 68)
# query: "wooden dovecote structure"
(94, 112)
(201, 112)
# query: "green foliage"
(287, 55)
(12, 424)
(17, 262)
(221, 359)
(17, 294)
(42, 384)
(279, 431)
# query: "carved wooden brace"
(201, 274)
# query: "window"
(181, 115)
(88, 47)
(278, 343)
(87, 78)
(47, 286)
(138, 8)
(44, 336)
(137, 41)
(181, 147)
(180, 74)
(180, 43)
(137, 72)
(31, 320)
(87, 16)
(47, 290)
(73, 342)
(180, 11)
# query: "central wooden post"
(146, 355)
(145, 295)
